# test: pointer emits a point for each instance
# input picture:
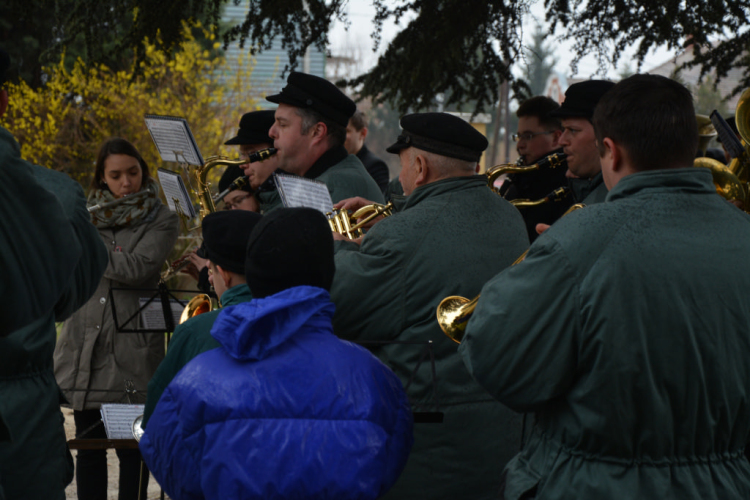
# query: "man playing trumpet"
(451, 235)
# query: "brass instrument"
(343, 223)
(732, 181)
(557, 195)
(706, 131)
(453, 313)
(204, 193)
(203, 303)
(551, 161)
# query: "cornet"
(343, 223)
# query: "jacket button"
(102, 300)
(97, 327)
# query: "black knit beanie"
(289, 247)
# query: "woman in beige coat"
(94, 363)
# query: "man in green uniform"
(626, 327)
(225, 236)
(579, 142)
(451, 236)
(309, 134)
(52, 259)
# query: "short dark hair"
(358, 120)
(653, 118)
(310, 117)
(540, 106)
(116, 146)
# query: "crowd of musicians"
(606, 356)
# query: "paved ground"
(112, 465)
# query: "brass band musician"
(451, 235)
(625, 329)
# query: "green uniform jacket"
(627, 331)
(39, 250)
(36, 463)
(189, 339)
(450, 238)
(342, 173)
(589, 191)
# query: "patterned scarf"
(132, 211)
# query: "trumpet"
(453, 313)
(343, 223)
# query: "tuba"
(453, 313)
(343, 223)
(732, 181)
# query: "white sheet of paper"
(174, 188)
(300, 192)
(118, 419)
(173, 139)
(153, 316)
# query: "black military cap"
(231, 173)
(310, 91)
(225, 236)
(440, 133)
(254, 128)
(290, 247)
(581, 99)
(4, 65)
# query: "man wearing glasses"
(537, 137)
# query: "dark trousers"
(91, 465)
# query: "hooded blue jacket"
(283, 409)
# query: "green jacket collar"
(682, 180)
(444, 186)
(236, 295)
(583, 187)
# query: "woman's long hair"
(116, 146)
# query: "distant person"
(282, 408)
(356, 132)
(537, 138)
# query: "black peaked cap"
(581, 98)
(254, 127)
(290, 247)
(440, 133)
(310, 91)
(225, 236)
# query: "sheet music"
(174, 188)
(173, 139)
(300, 192)
(152, 315)
(118, 419)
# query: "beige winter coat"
(93, 361)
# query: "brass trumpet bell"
(201, 303)
(453, 314)
(343, 223)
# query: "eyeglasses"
(235, 203)
(530, 135)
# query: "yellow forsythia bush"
(62, 124)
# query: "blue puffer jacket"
(283, 409)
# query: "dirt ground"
(154, 490)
